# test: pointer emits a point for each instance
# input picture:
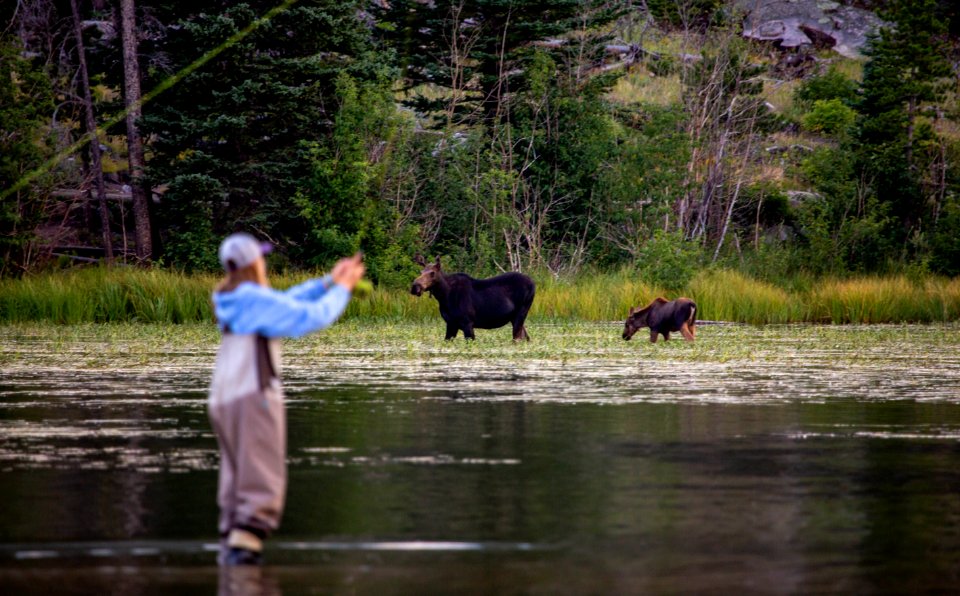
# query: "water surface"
(797, 464)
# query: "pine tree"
(478, 50)
(26, 99)
(230, 138)
(907, 63)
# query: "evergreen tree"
(25, 100)
(229, 138)
(478, 50)
(687, 14)
(907, 63)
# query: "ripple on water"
(156, 548)
(913, 433)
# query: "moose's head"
(636, 321)
(428, 276)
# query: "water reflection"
(588, 476)
(247, 580)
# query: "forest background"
(646, 140)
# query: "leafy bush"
(189, 205)
(668, 260)
(830, 117)
(845, 228)
(830, 85)
(696, 14)
(25, 100)
(945, 243)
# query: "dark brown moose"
(662, 317)
(467, 303)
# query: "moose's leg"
(653, 336)
(520, 332)
(468, 330)
(451, 331)
(519, 318)
(666, 336)
(689, 327)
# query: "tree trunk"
(911, 111)
(131, 101)
(91, 126)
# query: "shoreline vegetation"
(101, 295)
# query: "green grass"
(102, 295)
(99, 295)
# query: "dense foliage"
(502, 135)
(26, 101)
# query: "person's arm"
(312, 289)
(272, 313)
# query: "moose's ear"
(632, 311)
(419, 260)
(438, 261)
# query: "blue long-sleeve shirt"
(252, 308)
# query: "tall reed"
(594, 297)
(884, 300)
(731, 296)
(159, 296)
(107, 295)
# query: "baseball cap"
(240, 250)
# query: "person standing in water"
(246, 398)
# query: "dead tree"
(90, 124)
(131, 100)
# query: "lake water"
(805, 471)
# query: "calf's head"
(428, 276)
(635, 321)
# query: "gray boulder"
(796, 23)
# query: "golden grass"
(157, 296)
(780, 94)
(852, 68)
(884, 300)
(643, 88)
(598, 297)
(731, 296)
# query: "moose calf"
(662, 317)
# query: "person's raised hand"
(347, 272)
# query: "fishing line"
(163, 86)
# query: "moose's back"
(496, 300)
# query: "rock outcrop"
(820, 23)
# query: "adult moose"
(467, 303)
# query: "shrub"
(830, 117)
(668, 260)
(830, 85)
